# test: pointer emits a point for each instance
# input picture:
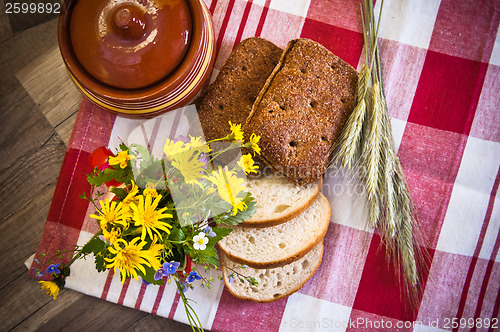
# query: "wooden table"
(38, 104)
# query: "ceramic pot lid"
(130, 44)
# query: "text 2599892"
(32, 8)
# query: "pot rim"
(171, 92)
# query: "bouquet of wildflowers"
(161, 218)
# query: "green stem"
(193, 318)
(230, 147)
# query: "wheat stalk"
(350, 139)
(367, 145)
(372, 155)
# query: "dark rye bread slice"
(231, 96)
(302, 109)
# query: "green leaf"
(94, 246)
(210, 251)
(123, 147)
(241, 215)
(99, 178)
(99, 263)
(208, 256)
(213, 261)
(220, 232)
(121, 193)
(142, 152)
(176, 235)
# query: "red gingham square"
(260, 316)
(466, 29)
(345, 44)
(486, 124)
(67, 206)
(341, 13)
(337, 278)
(431, 159)
(380, 290)
(401, 68)
(447, 93)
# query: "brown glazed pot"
(125, 57)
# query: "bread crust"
(301, 110)
(261, 223)
(287, 260)
(282, 296)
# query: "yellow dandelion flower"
(113, 235)
(254, 143)
(130, 258)
(236, 132)
(229, 186)
(111, 214)
(155, 253)
(121, 158)
(150, 190)
(190, 166)
(198, 144)
(51, 287)
(131, 196)
(145, 214)
(172, 148)
(241, 206)
(247, 164)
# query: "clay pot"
(137, 57)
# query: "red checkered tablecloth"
(441, 71)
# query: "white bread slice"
(275, 283)
(279, 199)
(281, 244)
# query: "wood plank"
(5, 29)
(27, 188)
(20, 299)
(23, 131)
(48, 83)
(156, 323)
(23, 48)
(93, 314)
(47, 312)
(22, 21)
